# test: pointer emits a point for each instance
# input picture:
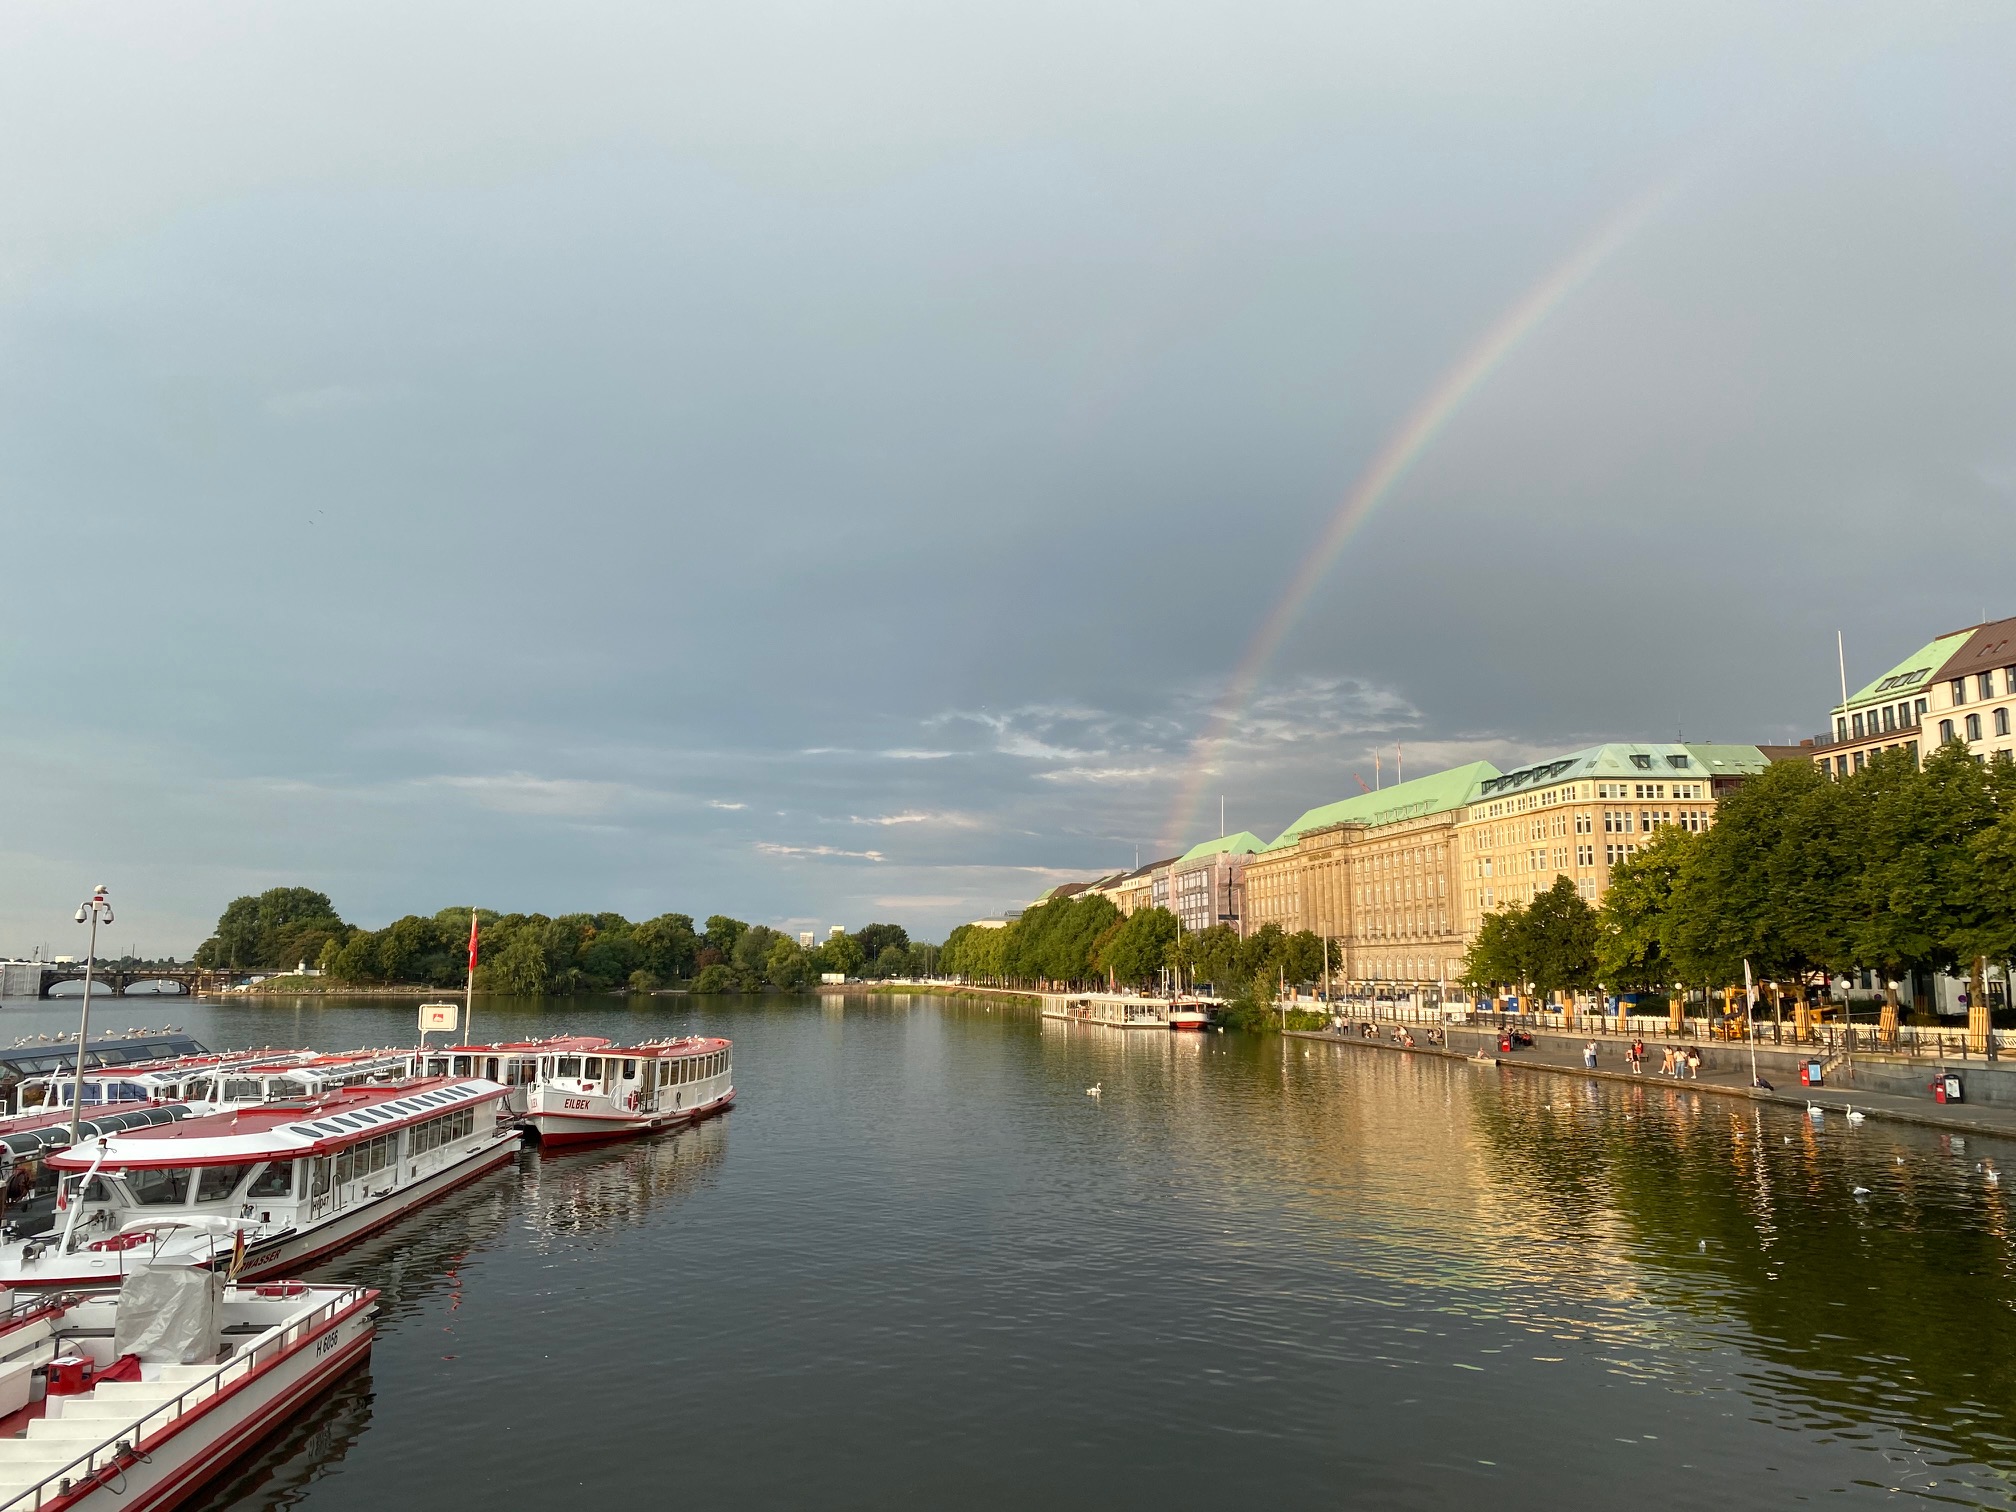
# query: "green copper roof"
(1436, 794)
(1621, 759)
(1911, 675)
(1245, 843)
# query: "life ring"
(631, 1102)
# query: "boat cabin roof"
(677, 1049)
(560, 1043)
(282, 1131)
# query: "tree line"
(532, 954)
(1894, 869)
(1079, 942)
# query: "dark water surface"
(918, 1266)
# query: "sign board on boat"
(437, 1016)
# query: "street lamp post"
(93, 912)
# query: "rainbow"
(1402, 449)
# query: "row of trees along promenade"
(1895, 869)
(532, 954)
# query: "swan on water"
(1095, 1089)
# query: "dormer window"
(1677, 761)
(1642, 762)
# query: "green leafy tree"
(723, 932)
(1635, 927)
(254, 932)
(1136, 948)
(667, 946)
(520, 966)
(1560, 933)
(841, 954)
(873, 939)
(788, 966)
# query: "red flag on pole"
(472, 939)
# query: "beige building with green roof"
(1207, 883)
(1960, 688)
(1377, 874)
(1401, 879)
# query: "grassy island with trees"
(532, 954)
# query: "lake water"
(917, 1266)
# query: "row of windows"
(365, 1158)
(1890, 717)
(1984, 685)
(446, 1129)
(1973, 726)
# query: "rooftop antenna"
(1399, 764)
(1378, 780)
(1841, 653)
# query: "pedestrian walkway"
(1563, 1056)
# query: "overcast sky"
(822, 463)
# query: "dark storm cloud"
(820, 464)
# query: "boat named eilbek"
(623, 1090)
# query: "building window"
(2001, 721)
(1841, 728)
(1889, 719)
(1986, 683)
(1858, 726)
(1959, 690)
(1945, 731)
(1921, 707)
(1973, 726)
(1642, 762)
(2009, 679)
(1860, 760)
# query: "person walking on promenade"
(1589, 1055)
(1665, 1060)
(1637, 1056)
(1693, 1064)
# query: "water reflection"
(569, 1194)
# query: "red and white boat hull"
(173, 1446)
(562, 1120)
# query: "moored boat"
(298, 1179)
(135, 1397)
(632, 1089)
(1189, 1017)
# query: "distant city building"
(1207, 881)
(1959, 688)
(806, 937)
(1402, 878)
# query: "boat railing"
(123, 1447)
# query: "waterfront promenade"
(1726, 1073)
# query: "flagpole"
(469, 1000)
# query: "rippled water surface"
(918, 1266)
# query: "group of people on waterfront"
(1682, 1062)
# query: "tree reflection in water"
(1887, 1319)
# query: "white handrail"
(134, 1432)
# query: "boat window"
(567, 1065)
(277, 1180)
(437, 1066)
(215, 1183)
(240, 1089)
(159, 1186)
(629, 1070)
(461, 1066)
(520, 1073)
(593, 1070)
(490, 1069)
(95, 1190)
(320, 1176)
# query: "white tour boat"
(631, 1089)
(135, 1397)
(515, 1064)
(300, 1178)
(1188, 1016)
